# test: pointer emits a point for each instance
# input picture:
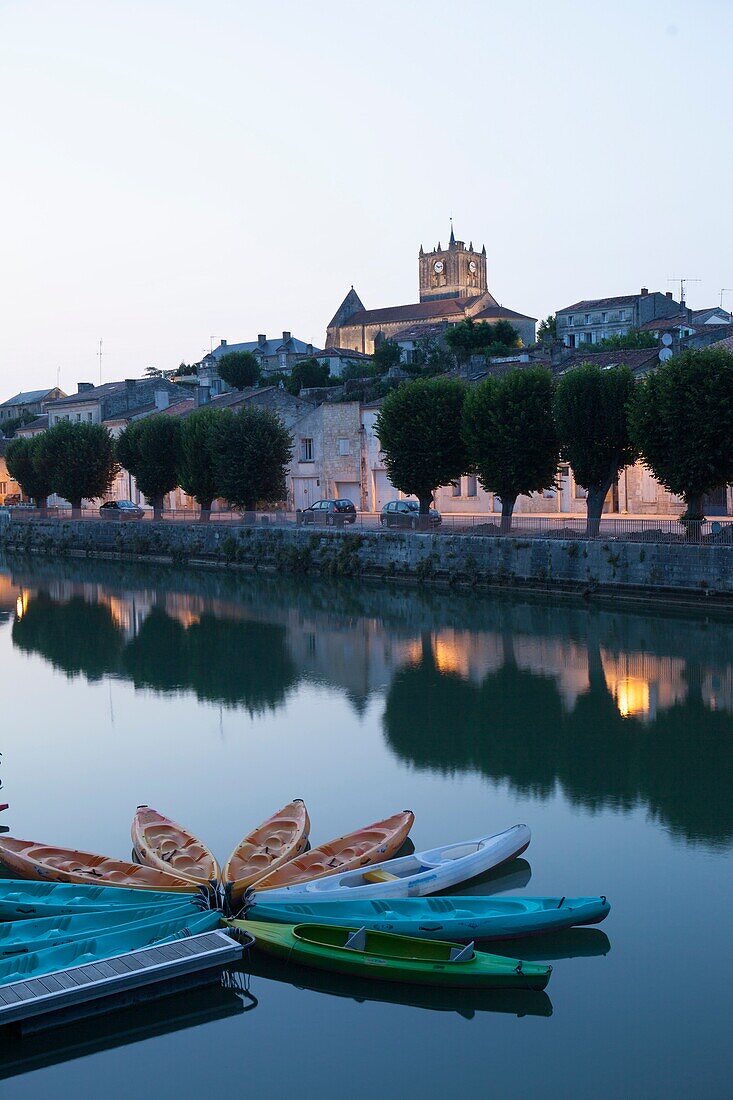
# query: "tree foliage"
(81, 461)
(27, 466)
(307, 374)
(469, 338)
(252, 452)
(387, 354)
(431, 356)
(419, 428)
(9, 427)
(151, 450)
(681, 419)
(510, 434)
(591, 412)
(197, 469)
(547, 329)
(239, 369)
(635, 338)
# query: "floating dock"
(116, 981)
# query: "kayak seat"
(378, 876)
(462, 954)
(357, 940)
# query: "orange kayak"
(166, 846)
(266, 848)
(44, 862)
(371, 844)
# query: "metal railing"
(646, 529)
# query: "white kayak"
(412, 876)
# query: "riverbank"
(587, 567)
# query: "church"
(453, 287)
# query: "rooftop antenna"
(211, 344)
(725, 290)
(683, 281)
(99, 353)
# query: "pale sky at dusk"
(176, 171)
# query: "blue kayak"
(20, 898)
(439, 918)
(97, 948)
(20, 937)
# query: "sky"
(175, 173)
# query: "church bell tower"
(452, 272)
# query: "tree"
(387, 354)
(197, 471)
(431, 356)
(153, 372)
(81, 461)
(468, 338)
(592, 421)
(634, 338)
(307, 374)
(511, 437)
(239, 369)
(151, 450)
(547, 329)
(252, 453)
(26, 465)
(681, 420)
(419, 429)
(9, 427)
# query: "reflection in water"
(621, 709)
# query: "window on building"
(306, 450)
(571, 319)
(603, 318)
(90, 416)
(78, 418)
(456, 487)
(580, 492)
(3, 487)
(471, 485)
(589, 337)
(587, 318)
(344, 447)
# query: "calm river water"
(218, 698)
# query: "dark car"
(330, 512)
(406, 513)
(121, 509)
(12, 498)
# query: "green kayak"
(20, 937)
(393, 958)
(94, 949)
(22, 898)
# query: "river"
(218, 697)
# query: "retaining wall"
(584, 566)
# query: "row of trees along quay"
(241, 457)
(512, 431)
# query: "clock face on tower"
(472, 267)
(438, 267)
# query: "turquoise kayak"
(20, 898)
(438, 918)
(20, 937)
(97, 948)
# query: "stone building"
(31, 402)
(327, 456)
(595, 319)
(453, 286)
(273, 354)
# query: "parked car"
(11, 498)
(330, 512)
(406, 513)
(121, 509)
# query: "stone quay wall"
(584, 566)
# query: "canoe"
(21, 899)
(22, 936)
(96, 948)
(386, 957)
(361, 848)
(421, 873)
(166, 846)
(277, 840)
(44, 861)
(439, 918)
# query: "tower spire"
(452, 235)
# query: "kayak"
(277, 840)
(440, 918)
(163, 844)
(21, 936)
(47, 862)
(21, 899)
(416, 875)
(386, 957)
(358, 849)
(96, 948)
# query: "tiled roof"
(636, 359)
(726, 343)
(500, 313)
(342, 353)
(108, 389)
(662, 323)
(419, 332)
(269, 348)
(602, 303)
(453, 308)
(27, 398)
(38, 424)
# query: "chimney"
(286, 337)
(203, 394)
(668, 293)
(130, 384)
(309, 349)
(162, 399)
(83, 387)
(262, 339)
(223, 343)
(644, 291)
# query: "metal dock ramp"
(67, 989)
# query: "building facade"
(32, 403)
(595, 319)
(273, 354)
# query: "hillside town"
(328, 398)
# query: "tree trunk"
(158, 506)
(42, 505)
(423, 518)
(693, 516)
(205, 511)
(76, 508)
(507, 510)
(596, 496)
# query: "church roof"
(435, 309)
(501, 313)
